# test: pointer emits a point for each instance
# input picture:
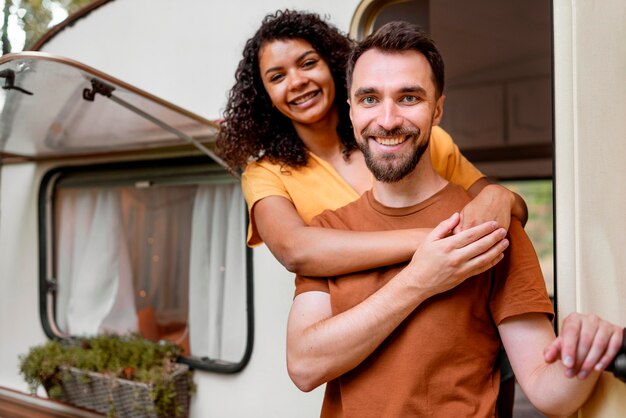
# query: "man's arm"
(559, 374)
(321, 347)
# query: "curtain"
(217, 281)
(95, 292)
(157, 222)
(174, 257)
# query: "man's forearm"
(328, 348)
(554, 394)
(538, 357)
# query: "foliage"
(538, 196)
(34, 17)
(132, 358)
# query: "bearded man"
(421, 339)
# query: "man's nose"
(389, 117)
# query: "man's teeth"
(304, 98)
(390, 141)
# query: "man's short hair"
(397, 37)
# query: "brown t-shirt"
(441, 361)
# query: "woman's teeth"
(304, 98)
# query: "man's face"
(393, 105)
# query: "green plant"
(132, 358)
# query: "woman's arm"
(491, 201)
(322, 252)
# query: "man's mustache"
(384, 133)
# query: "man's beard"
(392, 167)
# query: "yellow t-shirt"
(317, 186)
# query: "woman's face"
(297, 80)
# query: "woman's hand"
(492, 202)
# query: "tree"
(33, 18)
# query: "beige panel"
(590, 104)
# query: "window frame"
(46, 238)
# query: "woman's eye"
(276, 77)
(309, 63)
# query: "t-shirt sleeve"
(448, 161)
(518, 286)
(258, 182)
(311, 284)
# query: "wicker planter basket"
(119, 397)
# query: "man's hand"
(587, 343)
(443, 261)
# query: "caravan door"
(590, 105)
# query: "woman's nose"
(297, 79)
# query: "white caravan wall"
(19, 303)
(590, 105)
(184, 51)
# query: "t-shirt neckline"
(389, 211)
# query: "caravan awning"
(53, 107)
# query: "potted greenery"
(117, 376)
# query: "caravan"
(116, 214)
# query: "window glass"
(158, 251)
(86, 112)
(538, 197)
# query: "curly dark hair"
(252, 127)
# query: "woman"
(287, 123)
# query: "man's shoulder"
(451, 197)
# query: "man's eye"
(410, 99)
(368, 100)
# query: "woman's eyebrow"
(300, 58)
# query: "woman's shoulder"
(262, 164)
(440, 138)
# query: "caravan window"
(152, 248)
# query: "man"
(420, 340)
